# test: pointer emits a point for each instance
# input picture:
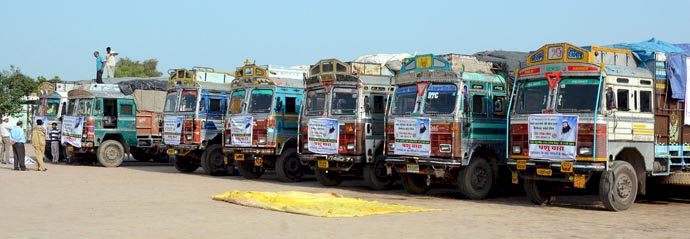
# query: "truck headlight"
(83, 135)
(227, 140)
(188, 137)
(262, 141)
(350, 146)
(585, 151)
(305, 146)
(391, 146)
(517, 149)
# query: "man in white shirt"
(110, 62)
(5, 146)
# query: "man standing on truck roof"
(5, 147)
(99, 67)
(110, 62)
(55, 142)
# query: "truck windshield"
(316, 102)
(236, 101)
(261, 101)
(405, 100)
(344, 101)
(577, 95)
(85, 107)
(170, 102)
(188, 101)
(51, 107)
(440, 99)
(532, 97)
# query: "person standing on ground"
(55, 142)
(38, 140)
(5, 134)
(17, 139)
(110, 62)
(99, 67)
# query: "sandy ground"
(155, 201)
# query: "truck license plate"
(521, 164)
(322, 163)
(544, 172)
(580, 181)
(239, 157)
(258, 162)
(412, 168)
(70, 148)
(171, 151)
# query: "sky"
(49, 38)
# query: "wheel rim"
(217, 160)
(380, 171)
(112, 154)
(292, 167)
(624, 186)
(479, 178)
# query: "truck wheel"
(111, 153)
(618, 186)
(248, 170)
(289, 167)
(677, 179)
(328, 178)
(475, 180)
(538, 192)
(416, 183)
(212, 161)
(375, 175)
(184, 164)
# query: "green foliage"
(130, 68)
(15, 86)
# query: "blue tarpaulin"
(685, 47)
(676, 70)
(644, 51)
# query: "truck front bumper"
(422, 165)
(576, 172)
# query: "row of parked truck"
(571, 118)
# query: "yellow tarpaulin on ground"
(314, 204)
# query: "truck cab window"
(478, 104)
(623, 103)
(290, 105)
(214, 106)
(379, 104)
(126, 110)
(645, 101)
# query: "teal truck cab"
(447, 124)
(193, 119)
(102, 122)
(51, 106)
(261, 124)
(343, 120)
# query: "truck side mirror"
(610, 102)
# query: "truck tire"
(248, 170)
(328, 178)
(184, 164)
(416, 183)
(212, 161)
(289, 167)
(476, 180)
(111, 153)
(618, 186)
(375, 176)
(676, 179)
(538, 192)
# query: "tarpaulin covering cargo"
(150, 100)
(508, 61)
(392, 61)
(314, 204)
(129, 86)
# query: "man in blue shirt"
(99, 67)
(17, 139)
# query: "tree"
(15, 86)
(130, 68)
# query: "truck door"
(126, 120)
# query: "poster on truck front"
(172, 129)
(323, 136)
(72, 129)
(241, 128)
(412, 136)
(552, 136)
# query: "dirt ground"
(145, 200)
